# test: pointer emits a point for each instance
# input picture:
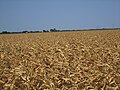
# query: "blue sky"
(19, 15)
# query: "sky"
(20, 15)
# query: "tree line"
(51, 30)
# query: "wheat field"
(76, 60)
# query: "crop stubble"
(79, 60)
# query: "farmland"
(77, 60)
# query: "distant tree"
(5, 32)
(53, 30)
(45, 31)
(24, 31)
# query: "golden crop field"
(77, 60)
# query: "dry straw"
(82, 60)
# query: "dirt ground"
(76, 60)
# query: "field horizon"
(56, 30)
(71, 60)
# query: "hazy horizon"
(63, 14)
